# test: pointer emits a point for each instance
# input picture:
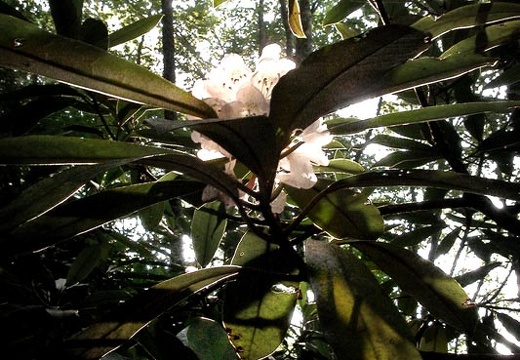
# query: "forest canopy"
(195, 179)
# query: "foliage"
(99, 194)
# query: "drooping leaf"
(295, 21)
(408, 159)
(134, 30)
(79, 216)
(447, 242)
(512, 325)
(343, 213)
(207, 228)
(208, 340)
(86, 261)
(340, 11)
(492, 36)
(258, 305)
(468, 16)
(399, 143)
(477, 274)
(358, 319)
(122, 323)
(418, 235)
(439, 293)
(430, 113)
(88, 67)
(48, 193)
(340, 74)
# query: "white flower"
(233, 91)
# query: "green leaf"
(134, 30)
(431, 178)
(507, 77)
(66, 15)
(341, 166)
(151, 216)
(258, 305)
(208, 340)
(218, 2)
(408, 159)
(134, 314)
(447, 242)
(439, 112)
(61, 150)
(418, 235)
(88, 67)
(340, 11)
(434, 339)
(439, 293)
(358, 319)
(82, 215)
(399, 143)
(492, 36)
(342, 213)
(207, 228)
(468, 16)
(295, 21)
(341, 74)
(476, 275)
(512, 325)
(87, 260)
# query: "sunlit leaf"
(492, 36)
(469, 16)
(295, 21)
(342, 166)
(23, 46)
(341, 74)
(152, 215)
(208, 340)
(343, 213)
(101, 337)
(429, 113)
(258, 305)
(408, 159)
(434, 339)
(134, 30)
(400, 143)
(207, 228)
(508, 77)
(218, 2)
(358, 319)
(341, 10)
(439, 293)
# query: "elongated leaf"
(469, 16)
(492, 36)
(208, 340)
(358, 320)
(475, 275)
(408, 159)
(295, 21)
(79, 216)
(432, 178)
(67, 15)
(340, 11)
(439, 293)
(343, 213)
(86, 261)
(25, 47)
(431, 113)
(133, 315)
(48, 193)
(207, 228)
(400, 143)
(512, 325)
(342, 166)
(418, 235)
(61, 150)
(258, 306)
(341, 74)
(134, 30)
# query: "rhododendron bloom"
(234, 91)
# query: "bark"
(168, 46)
(289, 37)
(304, 46)
(262, 39)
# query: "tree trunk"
(168, 47)
(262, 40)
(289, 37)
(304, 46)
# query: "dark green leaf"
(399, 143)
(512, 325)
(439, 293)
(341, 74)
(94, 32)
(86, 261)
(469, 16)
(67, 16)
(476, 275)
(358, 319)
(434, 339)
(407, 159)
(207, 228)
(151, 216)
(258, 306)
(88, 67)
(137, 312)
(134, 30)
(439, 112)
(208, 340)
(418, 235)
(447, 242)
(343, 213)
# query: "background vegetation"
(407, 247)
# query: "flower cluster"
(234, 91)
